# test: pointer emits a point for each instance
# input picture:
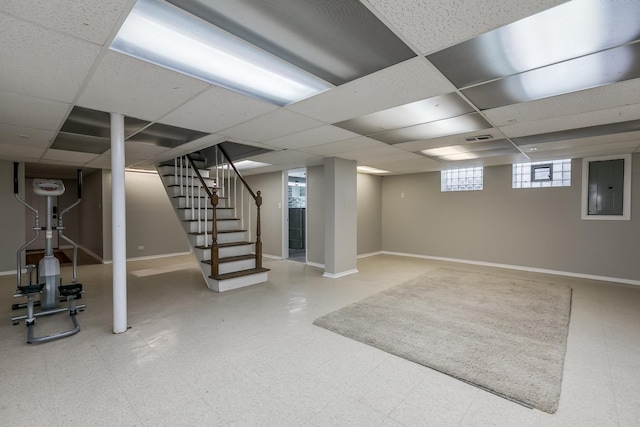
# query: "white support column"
(119, 232)
(341, 217)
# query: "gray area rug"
(507, 336)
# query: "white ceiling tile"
(284, 157)
(359, 143)
(600, 98)
(447, 140)
(30, 112)
(579, 143)
(16, 152)
(398, 157)
(135, 88)
(506, 159)
(43, 63)
(91, 20)
(587, 151)
(372, 153)
(140, 149)
(25, 136)
(69, 156)
(433, 25)
(308, 138)
(217, 109)
(406, 82)
(103, 161)
(592, 118)
(273, 125)
(421, 164)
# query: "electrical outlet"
(141, 248)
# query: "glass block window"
(555, 173)
(467, 179)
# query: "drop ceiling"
(409, 81)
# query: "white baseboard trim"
(9, 273)
(315, 264)
(341, 274)
(370, 254)
(92, 255)
(271, 256)
(143, 258)
(520, 268)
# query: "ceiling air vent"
(478, 138)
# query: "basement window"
(467, 179)
(555, 173)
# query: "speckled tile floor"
(252, 356)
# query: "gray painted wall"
(271, 187)
(369, 201)
(538, 228)
(315, 214)
(12, 225)
(91, 235)
(151, 221)
(369, 214)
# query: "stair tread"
(202, 197)
(209, 220)
(203, 208)
(219, 232)
(226, 245)
(231, 258)
(239, 273)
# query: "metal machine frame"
(49, 284)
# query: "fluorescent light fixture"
(369, 169)
(459, 156)
(245, 165)
(568, 31)
(167, 36)
(450, 153)
(415, 113)
(455, 125)
(586, 72)
(135, 170)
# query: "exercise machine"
(48, 288)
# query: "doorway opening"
(297, 203)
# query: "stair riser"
(198, 240)
(205, 254)
(235, 283)
(173, 180)
(223, 225)
(175, 191)
(188, 214)
(232, 237)
(231, 267)
(181, 202)
(170, 170)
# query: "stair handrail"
(257, 197)
(213, 197)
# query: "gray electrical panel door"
(606, 185)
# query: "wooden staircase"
(214, 210)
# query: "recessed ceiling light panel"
(587, 72)
(567, 31)
(336, 40)
(167, 36)
(452, 126)
(423, 111)
(369, 169)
